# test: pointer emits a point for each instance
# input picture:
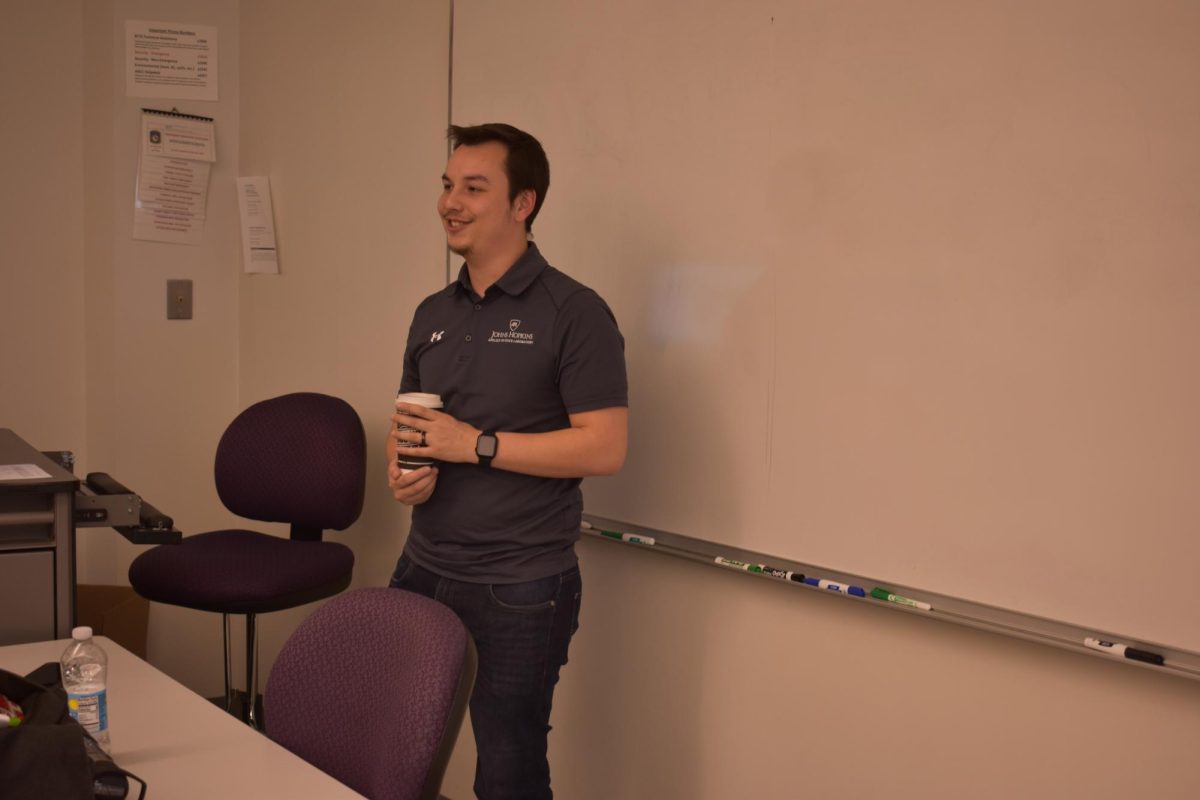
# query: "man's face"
(474, 206)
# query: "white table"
(182, 745)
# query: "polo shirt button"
(477, 306)
(468, 337)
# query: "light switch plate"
(179, 299)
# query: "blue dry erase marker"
(834, 586)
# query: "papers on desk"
(22, 472)
(171, 200)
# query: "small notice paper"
(258, 225)
(170, 59)
(21, 472)
(171, 195)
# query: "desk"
(38, 518)
(182, 745)
(37, 546)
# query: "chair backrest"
(372, 689)
(299, 458)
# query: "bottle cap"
(82, 633)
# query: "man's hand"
(413, 487)
(437, 435)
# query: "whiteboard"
(908, 290)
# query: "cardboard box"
(117, 612)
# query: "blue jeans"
(522, 632)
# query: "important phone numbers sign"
(170, 59)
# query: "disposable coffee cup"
(406, 461)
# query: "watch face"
(486, 447)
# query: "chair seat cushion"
(241, 572)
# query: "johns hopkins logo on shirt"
(512, 335)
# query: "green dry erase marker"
(883, 594)
(634, 538)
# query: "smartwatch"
(485, 448)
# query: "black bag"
(50, 755)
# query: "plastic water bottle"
(85, 678)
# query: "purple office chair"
(300, 459)
(372, 689)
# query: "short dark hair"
(526, 164)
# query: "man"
(530, 367)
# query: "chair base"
(240, 709)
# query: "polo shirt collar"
(516, 280)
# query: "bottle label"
(90, 709)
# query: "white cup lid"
(421, 399)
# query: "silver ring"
(423, 442)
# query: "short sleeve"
(591, 362)
(410, 378)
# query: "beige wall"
(159, 391)
(345, 112)
(90, 362)
(41, 224)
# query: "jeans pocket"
(575, 611)
(403, 570)
(526, 596)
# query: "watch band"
(485, 458)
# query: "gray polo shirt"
(536, 347)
